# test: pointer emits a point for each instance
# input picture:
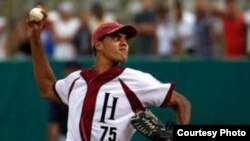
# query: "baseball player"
(103, 99)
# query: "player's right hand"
(34, 28)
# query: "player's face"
(115, 47)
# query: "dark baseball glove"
(150, 126)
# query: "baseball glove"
(150, 126)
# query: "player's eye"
(118, 37)
(115, 37)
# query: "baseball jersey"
(100, 107)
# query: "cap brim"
(129, 30)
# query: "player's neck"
(102, 65)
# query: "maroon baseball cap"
(111, 27)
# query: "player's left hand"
(150, 126)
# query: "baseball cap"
(112, 27)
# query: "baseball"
(36, 14)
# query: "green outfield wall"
(219, 91)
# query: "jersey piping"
(135, 103)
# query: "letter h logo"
(105, 106)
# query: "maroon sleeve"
(168, 96)
(54, 89)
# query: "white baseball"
(36, 14)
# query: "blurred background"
(201, 45)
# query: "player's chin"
(123, 58)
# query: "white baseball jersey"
(100, 107)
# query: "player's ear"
(99, 46)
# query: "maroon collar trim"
(94, 83)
